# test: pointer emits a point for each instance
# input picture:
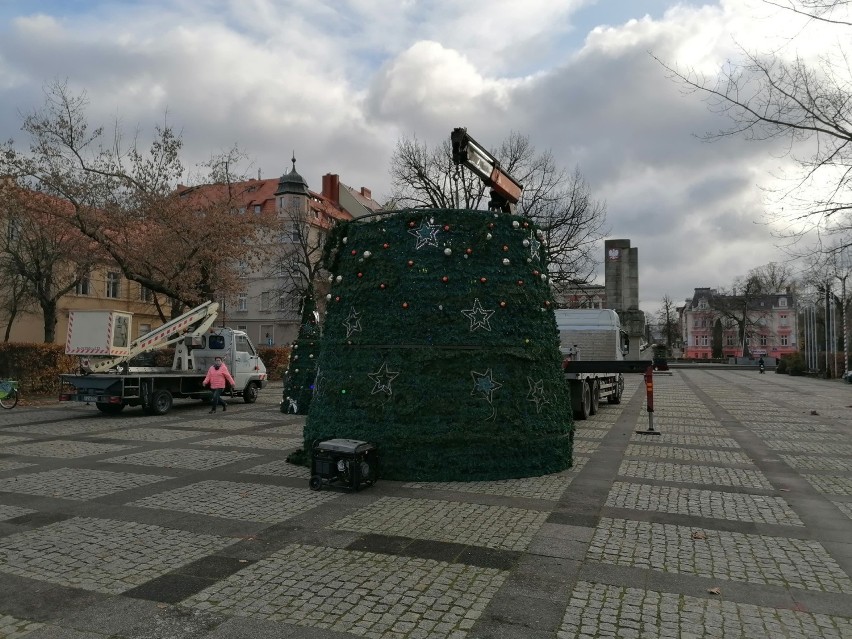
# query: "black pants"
(217, 398)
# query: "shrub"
(795, 364)
(36, 366)
(276, 359)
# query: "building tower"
(621, 276)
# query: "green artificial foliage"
(301, 374)
(440, 346)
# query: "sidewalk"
(736, 521)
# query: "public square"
(735, 521)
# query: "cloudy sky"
(339, 81)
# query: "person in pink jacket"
(217, 377)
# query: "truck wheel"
(315, 482)
(585, 402)
(250, 394)
(615, 398)
(595, 392)
(109, 409)
(161, 402)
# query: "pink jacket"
(217, 378)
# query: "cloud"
(338, 83)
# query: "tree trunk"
(48, 309)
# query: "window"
(242, 327)
(705, 341)
(702, 304)
(729, 340)
(784, 340)
(695, 323)
(257, 208)
(113, 284)
(782, 302)
(83, 286)
(145, 294)
(697, 341)
(13, 232)
(782, 320)
(763, 340)
(282, 302)
(264, 302)
(295, 232)
(143, 329)
(242, 210)
(242, 302)
(703, 322)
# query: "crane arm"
(192, 323)
(505, 190)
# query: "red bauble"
(446, 227)
(469, 251)
(483, 279)
(502, 304)
(337, 299)
(354, 252)
(520, 282)
(410, 262)
(385, 245)
(505, 248)
(360, 275)
(405, 305)
(445, 279)
(536, 273)
(382, 286)
(412, 224)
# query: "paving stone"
(77, 483)
(240, 501)
(500, 527)
(63, 449)
(189, 458)
(688, 454)
(759, 559)
(102, 555)
(713, 475)
(595, 606)
(703, 503)
(338, 590)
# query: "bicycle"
(8, 394)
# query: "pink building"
(738, 326)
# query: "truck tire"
(109, 409)
(595, 393)
(615, 398)
(250, 393)
(585, 402)
(161, 402)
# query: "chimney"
(331, 187)
(366, 193)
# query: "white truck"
(106, 378)
(591, 340)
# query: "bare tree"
(668, 320)
(806, 104)
(178, 242)
(558, 201)
(746, 304)
(43, 257)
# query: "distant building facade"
(568, 295)
(709, 323)
(264, 308)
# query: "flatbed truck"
(107, 378)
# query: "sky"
(339, 82)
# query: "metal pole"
(843, 321)
(827, 293)
(649, 388)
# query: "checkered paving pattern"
(192, 459)
(367, 594)
(76, 483)
(475, 524)
(102, 555)
(240, 501)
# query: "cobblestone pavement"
(735, 521)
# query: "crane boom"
(505, 190)
(192, 323)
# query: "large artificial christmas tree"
(440, 346)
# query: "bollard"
(649, 391)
